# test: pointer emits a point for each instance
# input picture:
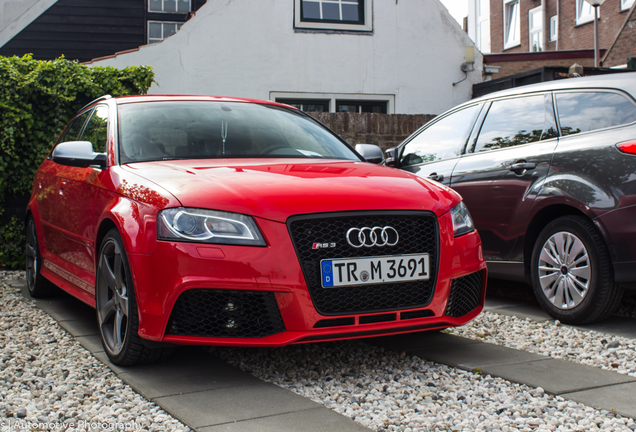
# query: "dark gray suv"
(548, 172)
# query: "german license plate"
(375, 270)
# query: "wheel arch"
(106, 225)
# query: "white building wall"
(15, 15)
(249, 48)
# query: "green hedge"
(37, 99)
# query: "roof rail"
(98, 99)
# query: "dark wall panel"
(86, 29)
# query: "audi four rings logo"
(376, 236)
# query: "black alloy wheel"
(116, 306)
(572, 275)
(37, 284)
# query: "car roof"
(620, 81)
(197, 98)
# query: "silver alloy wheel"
(31, 256)
(112, 297)
(564, 270)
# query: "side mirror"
(78, 154)
(391, 159)
(370, 152)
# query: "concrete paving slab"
(233, 404)
(412, 341)
(557, 376)
(92, 343)
(618, 398)
(312, 420)
(478, 355)
(81, 327)
(188, 370)
(618, 326)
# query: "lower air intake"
(225, 313)
(465, 295)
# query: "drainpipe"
(557, 25)
(545, 33)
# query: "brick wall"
(384, 130)
(625, 44)
(571, 36)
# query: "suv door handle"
(434, 176)
(522, 166)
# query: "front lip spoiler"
(373, 332)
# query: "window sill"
(507, 47)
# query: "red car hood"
(276, 189)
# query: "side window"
(73, 130)
(444, 139)
(586, 111)
(512, 122)
(96, 130)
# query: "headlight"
(462, 222)
(208, 226)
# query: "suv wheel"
(572, 273)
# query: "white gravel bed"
(48, 381)
(550, 338)
(390, 391)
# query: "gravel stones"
(390, 391)
(47, 378)
(552, 339)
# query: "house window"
(584, 12)
(180, 6)
(535, 27)
(626, 4)
(307, 105)
(354, 15)
(159, 30)
(554, 28)
(349, 106)
(349, 11)
(512, 33)
(337, 102)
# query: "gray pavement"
(208, 395)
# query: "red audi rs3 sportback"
(219, 221)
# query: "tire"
(116, 306)
(571, 272)
(38, 285)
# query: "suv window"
(512, 122)
(96, 130)
(444, 139)
(587, 111)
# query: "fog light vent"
(465, 295)
(225, 313)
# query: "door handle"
(522, 166)
(434, 176)
(62, 185)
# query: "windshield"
(150, 131)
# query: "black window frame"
(360, 21)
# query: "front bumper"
(174, 268)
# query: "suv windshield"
(151, 131)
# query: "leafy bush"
(37, 99)
(12, 240)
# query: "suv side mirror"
(78, 154)
(391, 160)
(370, 152)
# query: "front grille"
(465, 295)
(225, 313)
(418, 233)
